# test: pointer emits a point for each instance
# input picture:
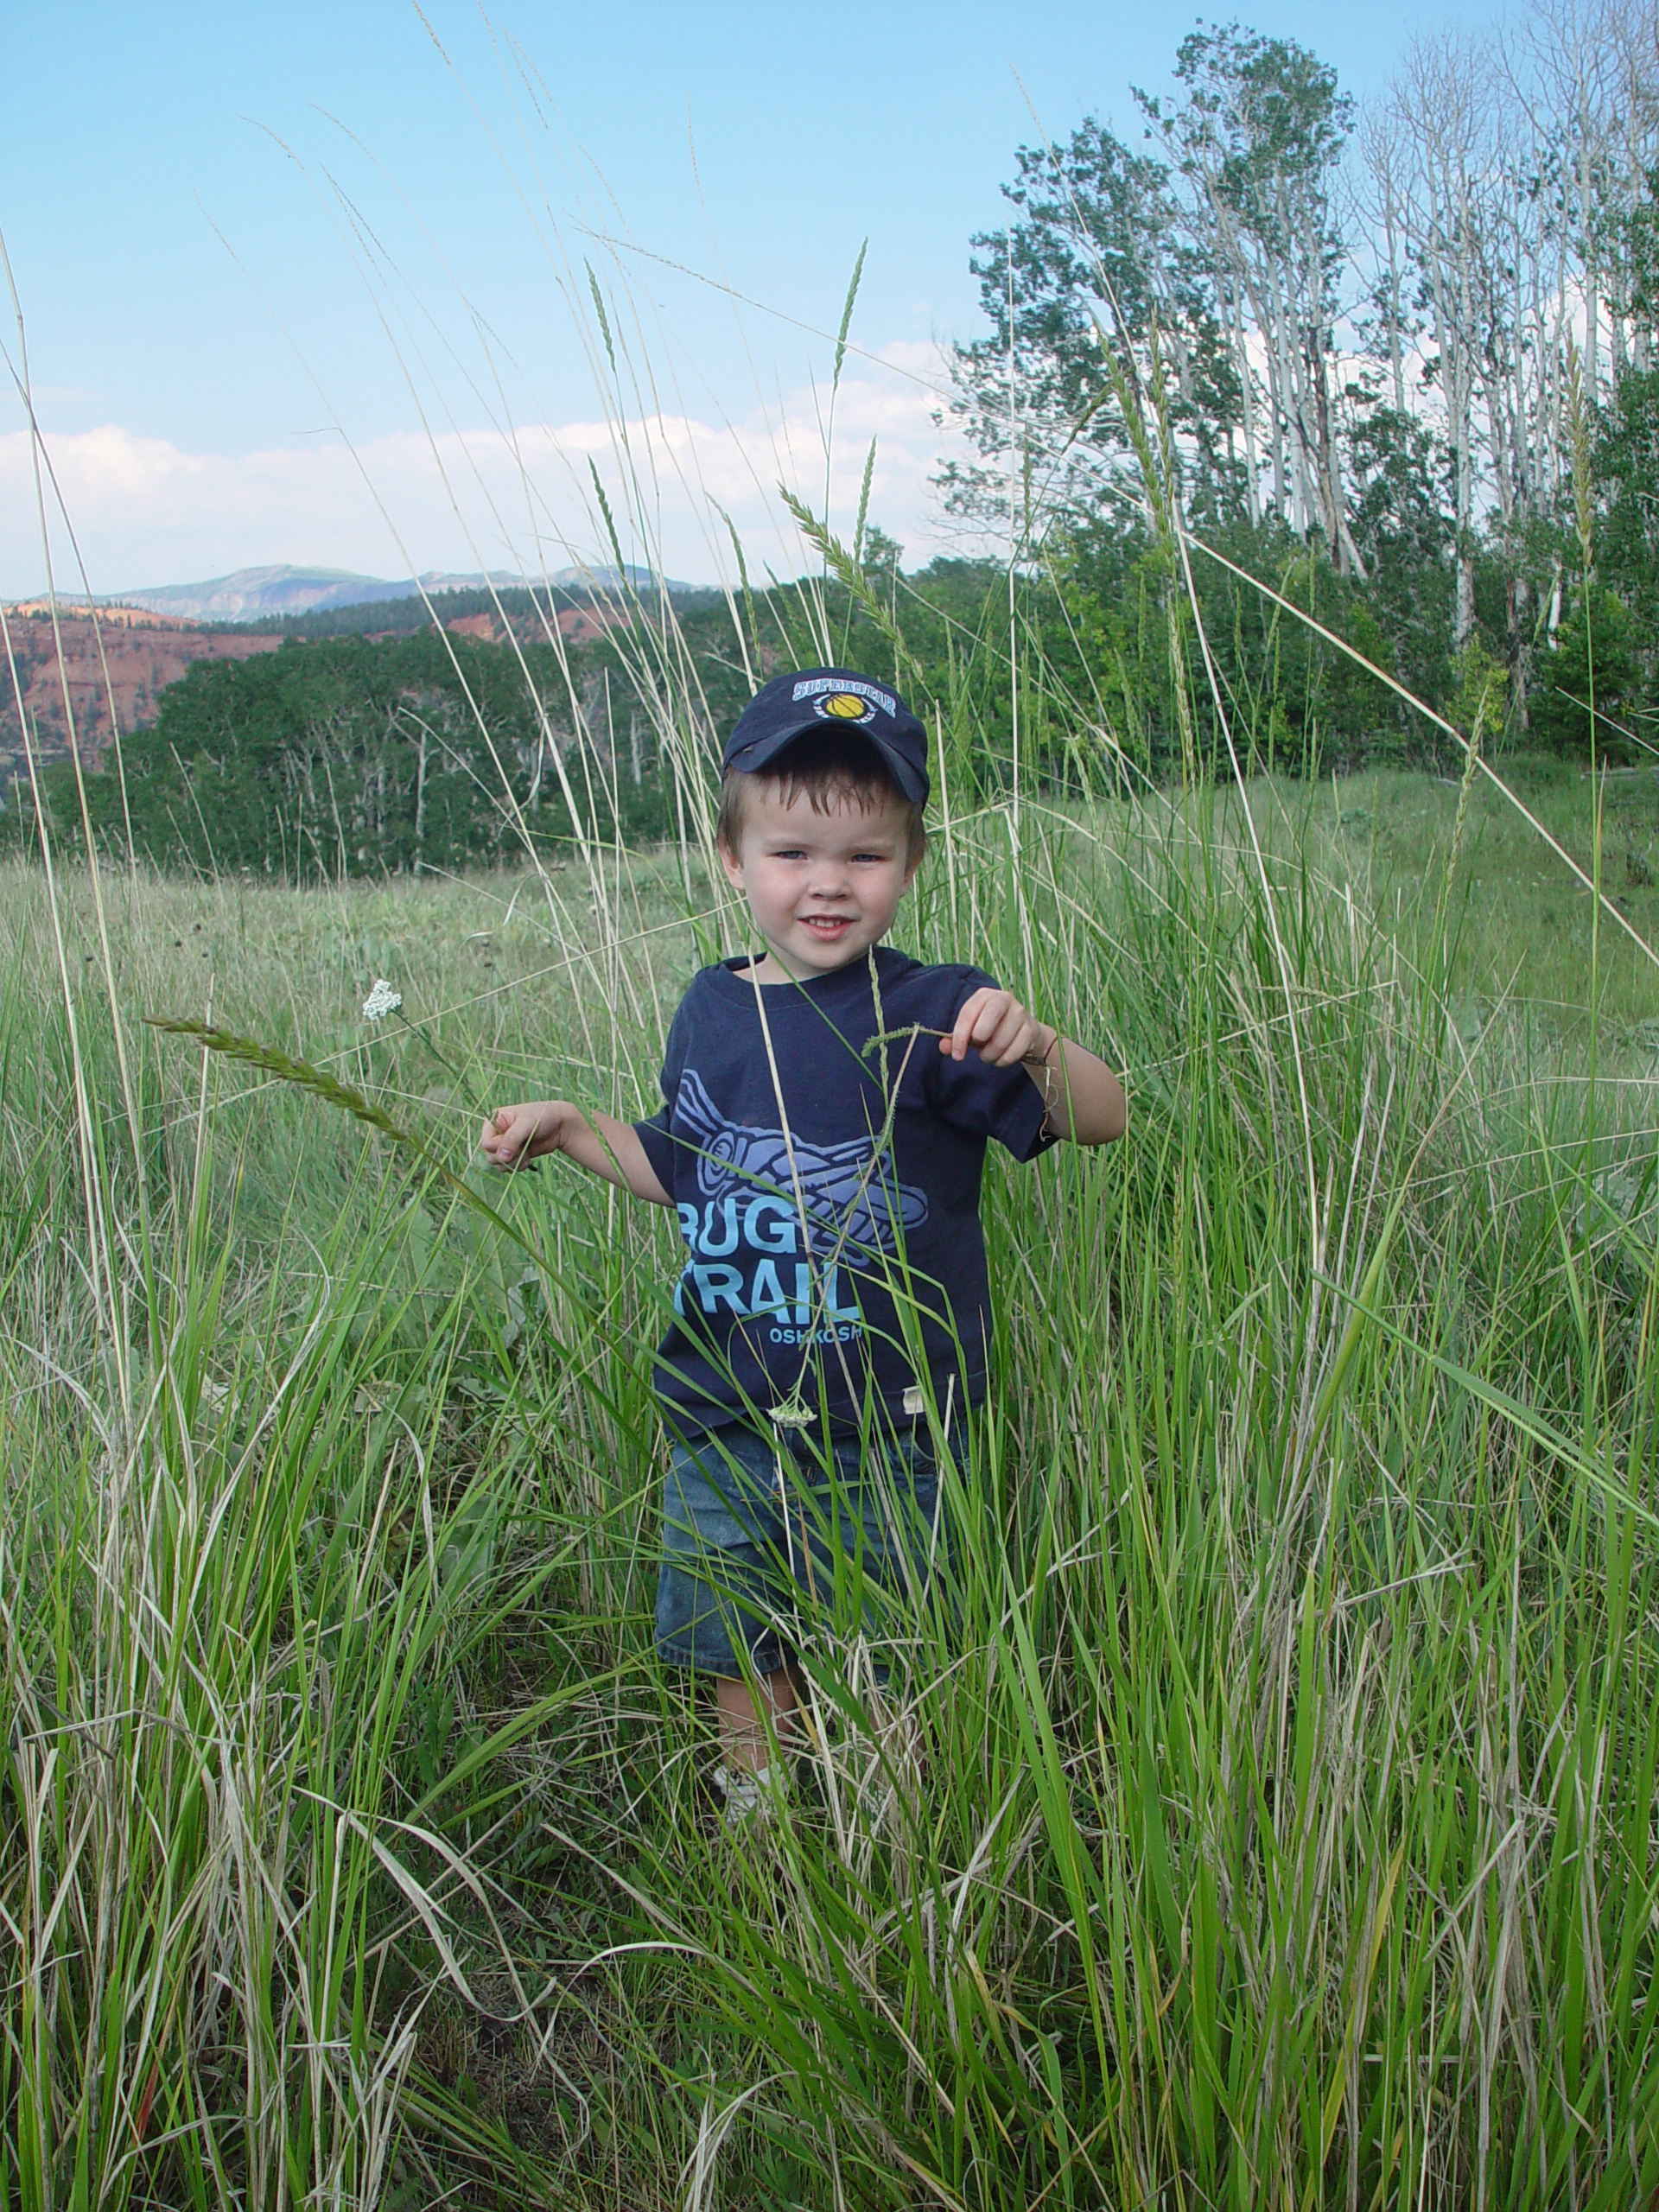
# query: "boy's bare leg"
(746, 1713)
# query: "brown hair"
(825, 766)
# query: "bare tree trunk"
(1441, 106)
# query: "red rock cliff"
(145, 653)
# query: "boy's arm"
(1084, 1099)
(514, 1136)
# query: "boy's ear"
(730, 862)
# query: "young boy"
(826, 1108)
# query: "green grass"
(1274, 1822)
(1523, 930)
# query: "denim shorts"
(751, 1565)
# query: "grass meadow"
(1269, 1819)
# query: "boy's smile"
(823, 886)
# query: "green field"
(1268, 1819)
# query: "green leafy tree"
(1598, 628)
(1095, 248)
(1256, 131)
(1403, 528)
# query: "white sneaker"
(747, 1792)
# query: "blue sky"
(178, 188)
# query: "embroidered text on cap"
(848, 687)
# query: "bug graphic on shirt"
(748, 1172)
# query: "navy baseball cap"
(815, 698)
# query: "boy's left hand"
(1004, 1032)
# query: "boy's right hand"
(514, 1136)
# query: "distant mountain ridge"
(253, 595)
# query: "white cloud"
(147, 511)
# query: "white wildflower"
(381, 1000)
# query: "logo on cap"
(842, 707)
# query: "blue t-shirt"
(793, 1262)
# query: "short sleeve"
(653, 1132)
(1000, 1102)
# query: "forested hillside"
(351, 756)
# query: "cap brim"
(749, 760)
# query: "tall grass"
(1272, 1821)
(1262, 1812)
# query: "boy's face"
(824, 887)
